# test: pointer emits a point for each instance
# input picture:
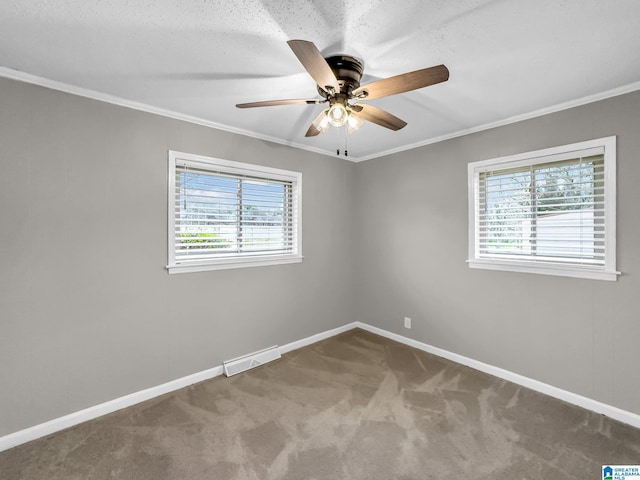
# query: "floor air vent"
(242, 364)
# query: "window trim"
(238, 168)
(534, 158)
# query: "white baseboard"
(66, 421)
(317, 337)
(616, 413)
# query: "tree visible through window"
(220, 214)
(224, 210)
(551, 211)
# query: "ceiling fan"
(338, 80)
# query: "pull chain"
(346, 136)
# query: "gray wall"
(411, 210)
(88, 312)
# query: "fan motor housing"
(348, 71)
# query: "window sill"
(228, 263)
(545, 269)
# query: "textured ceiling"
(508, 59)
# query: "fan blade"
(404, 83)
(271, 103)
(313, 61)
(379, 117)
(313, 131)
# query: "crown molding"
(631, 87)
(123, 102)
(143, 107)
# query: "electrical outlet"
(407, 322)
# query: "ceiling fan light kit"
(337, 115)
(321, 123)
(354, 123)
(338, 82)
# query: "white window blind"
(226, 214)
(552, 211)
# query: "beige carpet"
(356, 406)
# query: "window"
(550, 211)
(225, 214)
